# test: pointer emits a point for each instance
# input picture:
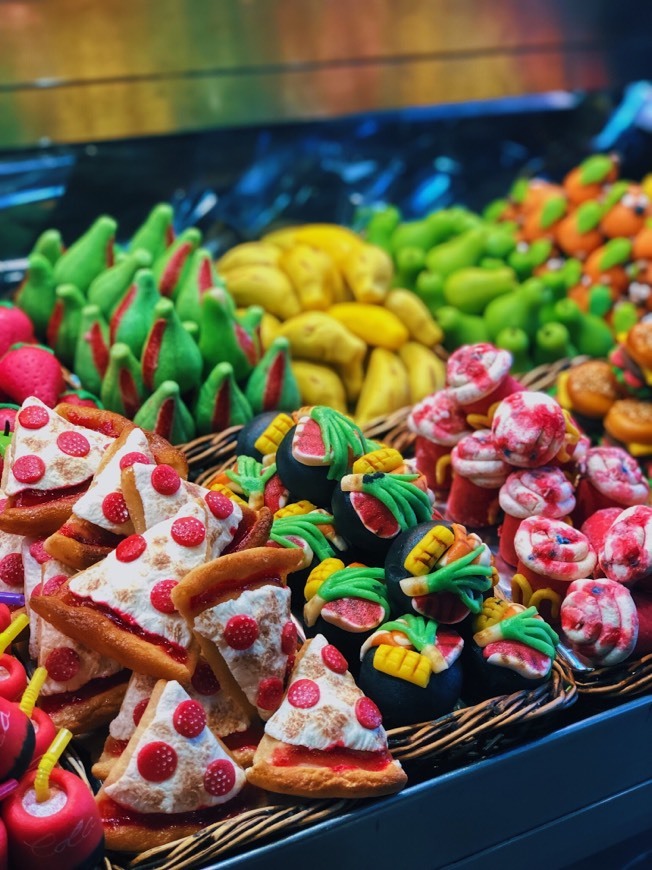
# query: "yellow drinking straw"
(32, 691)
(12, 631)
(47, 763)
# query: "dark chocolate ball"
(485, 680)
(404, 703)
(348, 523)
(395, 570)
(251, 432)
(308, 482)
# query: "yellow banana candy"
(334, 240)
(426, 373)
(385, 387)
(339, 289)
(269, 327)
(368, 271)
(249, 254)
(309, 270)
(267, 286)
(372, 323)
(411, 311)
(316, 336)
(319, 385)
(352, 375)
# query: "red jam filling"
(99, 349)
(247, 739)
(127, 623)
(32, 497)
(274, 383)
(152, 351)
(120, 311)
(165, 418)
(227, 588)
(222, 408)
(114, 815)
(338, 760)
(93, 536)
(53, 703)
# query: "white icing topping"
(474, 371)
(61, 470)
(543, 492)
(184, 791)
(332, 721)
(529, 428)
(270, 607)
(477, 459)
(108, 480)
(125, 586)
(42, 809)
(439, 418)
(139, 689)
(32, 569)
(617, 475)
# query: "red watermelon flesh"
(449, 644)
(517, 657)
(353, 614)
(443, 607)
(307, 445)
(275, 495)
(374, 516)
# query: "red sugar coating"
(33, 417)
(131, 548)
(53, 584)
(204, 681)
(114, 508)
(11, 570)
(241, 631)
(270, 693)
(304, 694)
(160, 596)
(130, 458)
(157, 761)
(28, 469)
(189, 719)
(334, 660)
(368, 714)
(37, 552)
(289, 638)
(165, 480)
(219, 505)
(188, 532)
(219, 778)
(62, 664)
(139, 709)
(73, 444)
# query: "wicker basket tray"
(623, 681)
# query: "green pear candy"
(107, 289)
(36, 295)
(169, 352)
(272, 385)
(460, 328)
(156, 233)
(171, 267)
(91, 254)
(220, 402)
(381, 225)
(166, 414)
(49, 245)
(133, 316)
(222, 338)
(471, 289)
(516, 341)
(457, 253)
(593, 337)
(122, 388)
(199, 277)
(92, 350)
(63, 325)
(410, 260)
(429, 288)
(552, 342)
(192, 329)
(422, 234)
(519, 309)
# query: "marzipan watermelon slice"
(374, 516)
(307, 444)
(354, 614)
(517, 657)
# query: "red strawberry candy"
(31, 370)
(80, 397)
(15, 326)
(8, 415)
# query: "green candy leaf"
(615, 194)
(367, 583)
(421, 632)
(305, 527)
(589, 215)
(553, 210)
(408, 504)
(343, 440)
(518, 190)
(595, 169)
(616, 252)
(527, 629)
(251, 476)
(462, 579)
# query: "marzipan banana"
(412, 312)
(425, 371)
(249, 254)
(317, 337)
(385, 387)
(309, 269)
(319, 385)
(263, 285)
(368, 272)
(372, 323)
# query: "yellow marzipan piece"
(295, 509)
(406, 664)
(428, 551)
(386, 459)
(268, 441)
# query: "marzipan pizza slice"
(238, 606)
(326, 739)
(174, 777)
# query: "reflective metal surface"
(82, 70)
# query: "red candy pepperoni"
(165, 480)
(270, 693)
(367, 714)
(130, 458)
(157, 761)
(29, 469)
(11, 570)
(114, 508)
(289, 638)
(188, 532)
(74, 444)
(53, 584)
(219, 505)
(33, 417)
(334, 660)
(161, 596)
(189, 719)
(204, 681)
(139, 709)
(37, 552)
(219, 778)
(304, 694)
(62, 664)
(131, 548)
(241, 631)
